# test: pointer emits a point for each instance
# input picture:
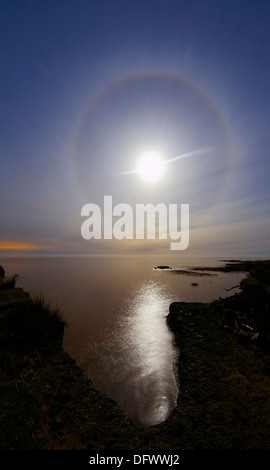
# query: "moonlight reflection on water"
(140, 366)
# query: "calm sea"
(116, 309)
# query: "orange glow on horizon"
(13, 245)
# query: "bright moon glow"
(151, 167)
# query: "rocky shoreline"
(47, 403)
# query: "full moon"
(151, 166)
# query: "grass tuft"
(30, 324)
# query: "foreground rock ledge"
(224, 399)
(48, 403)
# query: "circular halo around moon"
(152, 113)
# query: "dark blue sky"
(88, 85)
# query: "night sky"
(87, 86)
